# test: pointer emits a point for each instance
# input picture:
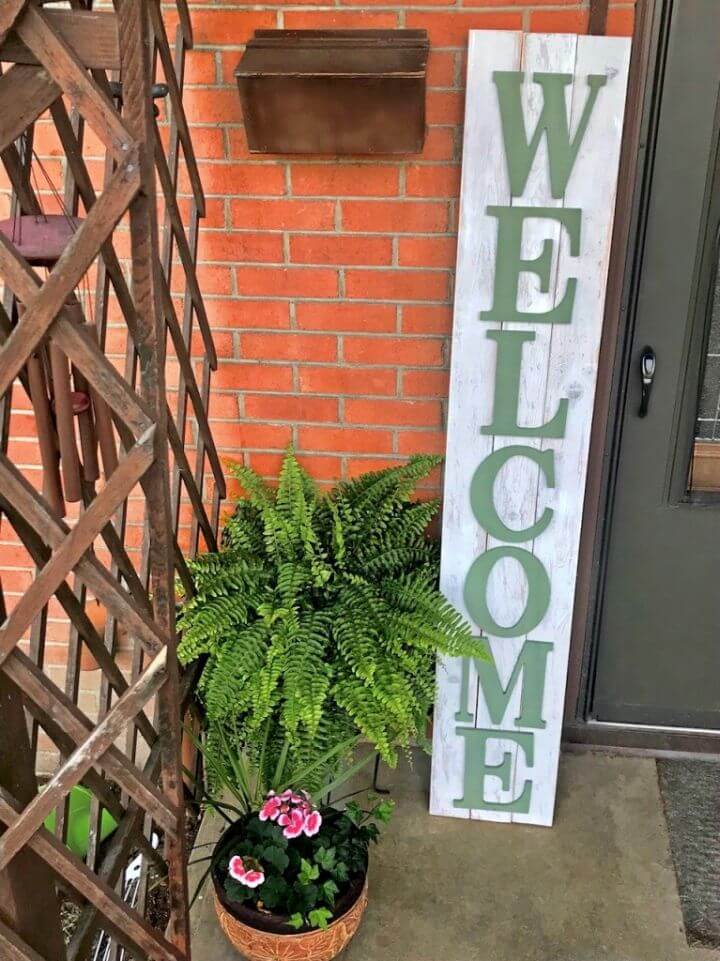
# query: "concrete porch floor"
(598, 886)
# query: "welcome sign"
(543, 125)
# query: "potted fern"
(318, 623)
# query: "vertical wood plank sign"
(543, 125)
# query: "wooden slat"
(151, 333)
(190, 383)
(85, 756)
(91, 34)
(58, 706)
(52, 50)
(25, 93)
(597, 21)
(16, 492)
(66, 555)
(13, 948)
(178, 109)
(126, 924)
(186, 256)
(75, 611)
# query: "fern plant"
(319, 621)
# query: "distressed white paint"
(562, 362)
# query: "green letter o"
(475, 592)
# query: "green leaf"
(319, 918)
(329, 890)
(296, 921)
(273, 892)
(274, 855)
(325, 857)
(308, 872)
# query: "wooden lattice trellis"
(99, 71)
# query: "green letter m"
(532, 664)
(553, 122)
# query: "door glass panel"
(704, 478)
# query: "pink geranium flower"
(250, 874)
(294, 822)
(312, 824)
(270, 809)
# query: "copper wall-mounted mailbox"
(334, 91)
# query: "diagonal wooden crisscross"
(61, 57)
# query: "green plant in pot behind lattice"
(320, 618)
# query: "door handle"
(648, 365)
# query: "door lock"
(648, 365)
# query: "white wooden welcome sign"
(543, 125)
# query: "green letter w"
(553, 122)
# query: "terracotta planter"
(262, 936)
(315, 945)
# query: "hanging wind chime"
(72, 420)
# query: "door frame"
(636, 166)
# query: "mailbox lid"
(335, 53)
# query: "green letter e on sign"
(543, 124)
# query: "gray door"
(658, 643)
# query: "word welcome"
(542, 148)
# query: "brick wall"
(329, 282)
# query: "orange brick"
(287, 281)
(399, 216)
(232, 437)
(227, 179)
(240, 247)
(425, 383)
(439, 143)
(212, 280)
(283, 214)
(272, 407)
(402, 351)
(213, 105)
(397, 284)
(427, 251)
(339, 249)
(353, 180)
(223, 406)
(200, 67)
(348, 380)
(351, 440)
(217, 27)
(450, 28)
(426, 319)
(572, 20)
(356, 466)
(441, 69)
(289, 346)
(321, 467)
(399, 413)
(248, 313)
(234, 375)
(445, 106)
(341, 19)
(621, 21)
(237, 142)
(425, 180)
(208, 142)
(421, 442)
(375, 318)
